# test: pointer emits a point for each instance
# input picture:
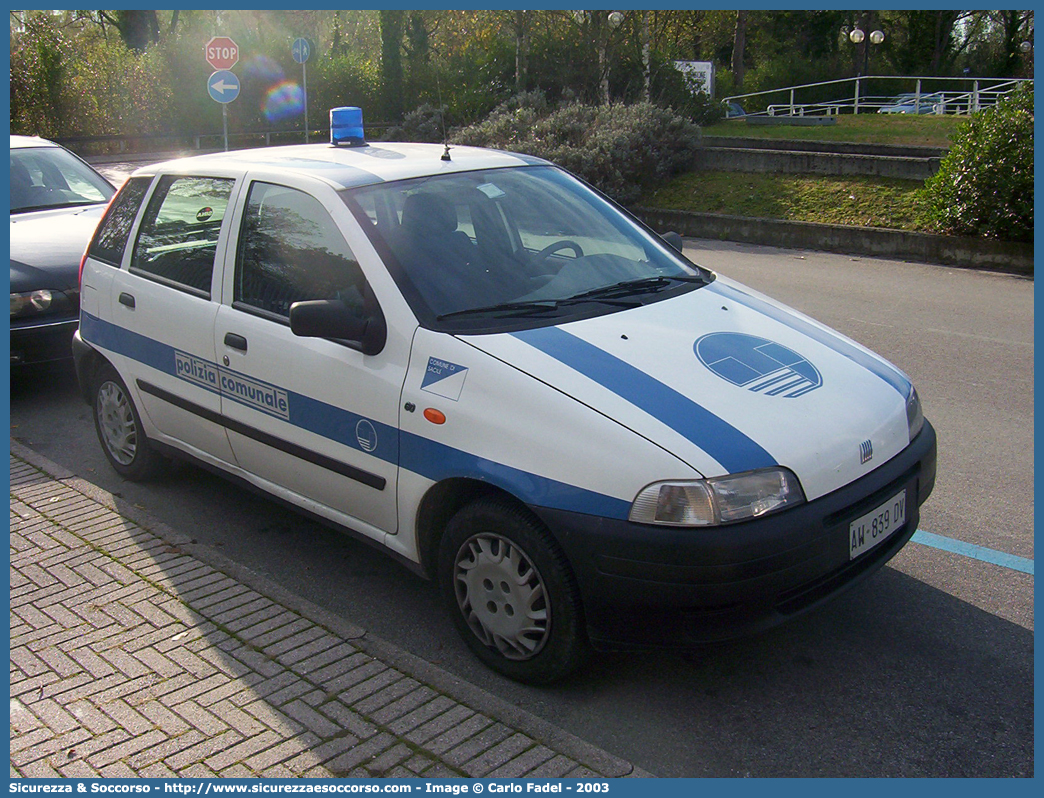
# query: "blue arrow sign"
(301, 50)
(223, 86)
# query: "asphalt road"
(925, 670)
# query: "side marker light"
(434, 416)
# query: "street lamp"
(857, 36)
(1026, 57)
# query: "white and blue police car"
(479, 363)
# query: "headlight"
(721, 500)
(914, 414)
(32, 302)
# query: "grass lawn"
(925, 130)
(862, 201)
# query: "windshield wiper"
(518, 308)
(615, 294)
(644, 285)
(538, 306)
(55, 206)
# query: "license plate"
(871, 529)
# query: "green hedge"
(984, 186)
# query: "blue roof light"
(346, 126)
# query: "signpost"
(301, 50)
(223, 86)
(221, 52)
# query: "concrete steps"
(740, 154)
(728, 154)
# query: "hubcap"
(116, 422)
(502, 596)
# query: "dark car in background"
(56, 202)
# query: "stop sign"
(221, 52)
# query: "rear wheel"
(511, 592)
(119, 428)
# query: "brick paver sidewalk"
(133, 658)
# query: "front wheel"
(511, 592)
(119, 429)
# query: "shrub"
(120, 92)
(59, 88)
(40, 102)
(426, 123)
(984, 186)
(508, 125)
(620, 149)
(671, 90)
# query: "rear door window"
(177, 241)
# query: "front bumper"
(42, 340)
(648, 585)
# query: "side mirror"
(673, 239)
(331, 318)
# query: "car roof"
(18, 142)
(345, 167)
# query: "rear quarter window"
(110, 241)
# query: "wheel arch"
(537, 645)
(88, 361)
(443, 501)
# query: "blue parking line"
(973, 551)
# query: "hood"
(728, 381)
(46, 246)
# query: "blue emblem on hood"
(757, 364)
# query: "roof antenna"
(442, 118)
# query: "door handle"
(236, 341)
(127, 299)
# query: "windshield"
(50, 177)
(486, 249)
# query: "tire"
(119, 428)
(495, 561)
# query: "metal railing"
(969, 96)
(150, 142)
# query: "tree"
(391, 63)
(923, 42)
(138, 29)
(1016, 27)
(521, 28)
(646, 58)
(418, 38)
(738, 47)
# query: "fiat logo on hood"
(757, 364)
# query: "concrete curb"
(589, 757)
(971, 253)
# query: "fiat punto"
(479, 363)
